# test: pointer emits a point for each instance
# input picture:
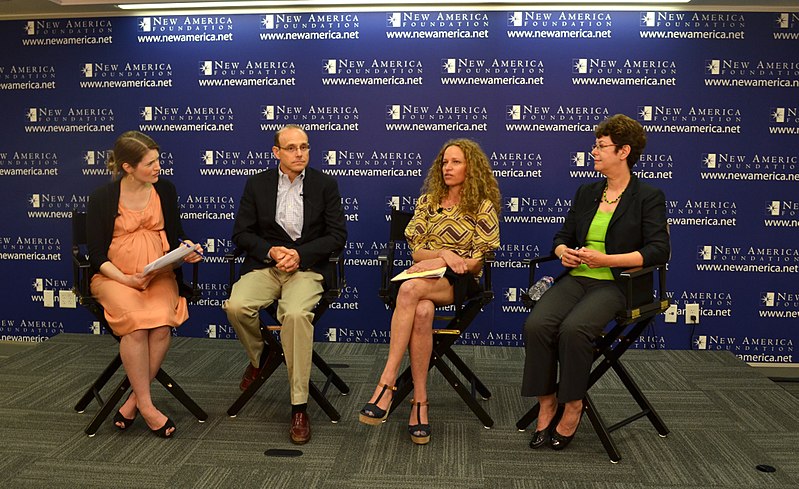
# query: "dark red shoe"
(250, 373)
(300, 431)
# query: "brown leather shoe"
(300, 431)
(250, 373)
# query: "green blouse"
(595, 240)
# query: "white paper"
(170, 258)
(435, 273)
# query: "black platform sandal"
(371, 413)
(420, 433)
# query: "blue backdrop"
(379, 93)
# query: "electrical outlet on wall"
(692, 314)
(671, 314)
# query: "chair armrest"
(337, 281)
(638, 286)
(230, 259)
(488, 292)
(80, 274)
(192, 290)
(386, 260)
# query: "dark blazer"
(103, 210)
(324, 230)
(638, 223)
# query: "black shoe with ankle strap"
(420, 433)
(371, 413)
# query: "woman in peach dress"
(130, 222)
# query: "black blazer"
(324, 230)
(638, 223)
(103, 210)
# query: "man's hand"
(286, 259)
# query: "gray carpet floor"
(725, 419)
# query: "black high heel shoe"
(543, 437)
(162, 431)
(371, 413)
(126, 423)
(420, 433)
(558, 441)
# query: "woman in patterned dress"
(454, 224)
(130, 222)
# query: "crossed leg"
(143, 351)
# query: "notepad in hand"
(405, 275)
(170, 258)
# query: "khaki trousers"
(297, 294)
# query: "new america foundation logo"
(527, 209)
(246, 73)
(311, 117)
(95, 163)
(52, 32)
(696, 21)
(373, 66)
(434, 21)
(692, 119)
(27, 77)
(125, 75)
(29, 163)
(516, 164)
(560, 114)
(749, 348)
(624, 67)
(41, 248)
(702, 212)
(206, 207)
(383, 158)
(560, 20)
(235, 161)
(492, 66)
(439, 113)
(718, 302)
(763, 259)
(187, 114)
(343, 22)
(47, 205)
(190, 24)
(46, 119)
(779, 304)
(29, 330)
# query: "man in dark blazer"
(288, 223)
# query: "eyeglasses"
(293, 148)
(600, 147)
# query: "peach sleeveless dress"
(138, 239)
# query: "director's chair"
(81, 275)
(443, 338)
(641, 308)
(273, 356)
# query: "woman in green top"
(614, 224)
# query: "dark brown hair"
(624, 130)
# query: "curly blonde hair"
(479, 185)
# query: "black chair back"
(399, 221)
